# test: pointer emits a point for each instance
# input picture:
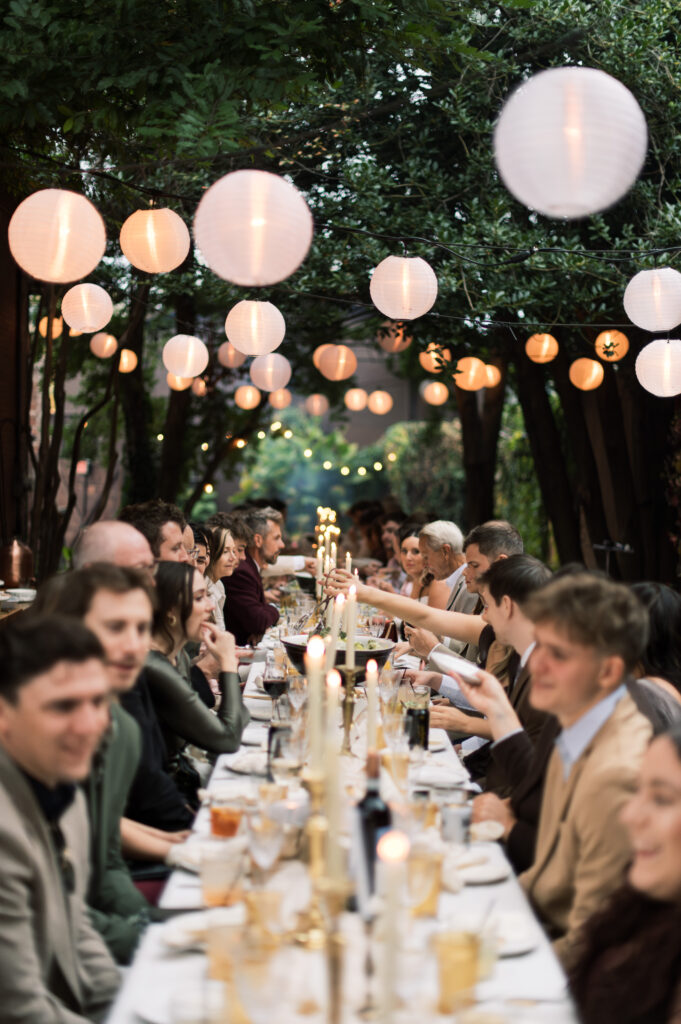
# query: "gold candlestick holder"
(312, 931)
(349, 676)
(334, 893)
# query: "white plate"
(189, 931)
(250, 762)
(435, 744)
(486, 831)
(490, 871)
(516, 933)
(23, 594)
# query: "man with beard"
(247, 613)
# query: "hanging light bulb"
(658, 367)
(87, 308)
(271, 372)
(255, 328)
(612, 346)
(403, 287)
(433, 359)
(229, 357)
(56, 235)
(103, 345)
(185, 356)
(586, 374)
(156, 241)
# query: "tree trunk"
(480, 416)
(136, 405)
(174, 428)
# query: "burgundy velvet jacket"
(247, 613)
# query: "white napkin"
(249, 762)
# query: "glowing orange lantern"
(356, 399)
(433, 359)
(317, 404)
(612, 346)
(379, 402)
(104, 345)
(127, 361)
(393, 338)
(471, 374)
(541, 348)
(586, 374)
(247, 396)
(178, 383)
(280, 399)
(338, 362)
(229, 357)
(155, 241)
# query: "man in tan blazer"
(589, 634)
(54, 695)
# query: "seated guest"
(248, 614)
(183, 614)
(660, 666)
(628, 955)
(111, 541)
(420, 583)
(54, 701)
(237, 526)
(201, 544)
(163, 525)
(222, 561)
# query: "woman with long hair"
(223, 559)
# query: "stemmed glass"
(265, 840)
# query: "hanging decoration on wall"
(355, 399)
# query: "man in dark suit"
(247, 612)
(54, 710)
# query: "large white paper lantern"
(229, 357)
(57, 236)
(586, 374)
(317, 404)
(199, 387)
(471, 374)
(255, 328)
(379, 402)
(434, 357)
(541, 348)
(393, 337)
(155, 241)
(253, 228)
(127, 361)
(247, 396)
(356, 399)
(57, 326)
(652, 299)
(178, 383)
(280, 399)
(434, 392)
(658, 367)
(319, 352)
(570, 142)
(185, 356)
(87, 308)
(270, 372)
(103, 345)
(611, 346)
(403, 287)
(337, 362)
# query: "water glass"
(457, 955)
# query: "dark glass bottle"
(374, 816)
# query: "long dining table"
(526, 983)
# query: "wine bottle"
(374, 818)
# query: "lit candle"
(348, 561)
(351, 627)
(314, 664)
(327, 564)
(393, 850)
(334, 554)
(372, 704)
(320, 571)
(334, 853)
(335, 630)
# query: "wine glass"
(286, 756)
(297, 691)
(266, 838)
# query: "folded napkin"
(249, 762)
(440, 776)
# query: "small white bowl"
(23, 594)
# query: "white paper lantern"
(253, 228)
(319, 352)
(178, 383)
(658, 367)
(471, 374)
(356, 399)
(57, 236)
(611, 346)
(127, 361)
(229, 357)
(247, 397)
(185, 356)
(541, 348)
(317, 404)
(586, 374)
(270, 372)
(434, 392)
(87, 308)
(379, 402)
(434, 357)
(103, 345)
(199, 387)
(57, 326)
(652, 299)
(570, 142)
(403, 287)
(338, 362)
(255, 328)
(393, 337)
(280, 399)
(155, 241)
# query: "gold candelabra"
(349, 699)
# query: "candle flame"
(372, 665)
(333, 679)
(340, 601)
(315, 647)
(393, 847)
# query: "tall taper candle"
(314, 664)
(393, 850)
(372, 703)
(334, 853)
(335, 630)
(351, 628)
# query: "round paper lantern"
(612, 346)
(87, 307)
(229, 357)
(434, 392)
(317, 404)
(155, 241)
(178, 383)
(127, 361)
(586, 374)
(104, 345)
(652, 299)
(403, 287)
(255, 328)
(471, 374)
(356, 399)
(338, 362)
(253, 228)
(185, 356)
(570, 142)
(74, 334)
(379, 402)
(271, 372)
(393, 338)
(280, 399)
(319, 352)
(199, 387)
(434, 357)
(658, 367)
(57, 326)
(57, 236)
(493, 375)
(541, 348)
(247, 397)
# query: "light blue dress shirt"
(573, 741)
